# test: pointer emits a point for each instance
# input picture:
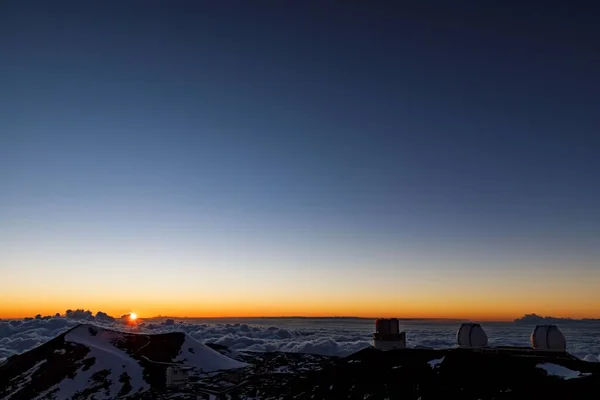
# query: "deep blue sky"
(323, 132)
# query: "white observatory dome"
(471, 335)
(548, 337)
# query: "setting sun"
(133, 316)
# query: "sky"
(268, 158)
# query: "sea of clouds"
(336, 337)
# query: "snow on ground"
(558, 370)
(107, 357)
(283, 369)
(24, 378)
(591, 358)
(199, 355)
(436, 362)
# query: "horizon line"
(348, 317)
(141, 317)
(318, 317)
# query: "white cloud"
(328, 339)
(19, 336)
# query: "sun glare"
(133, 316)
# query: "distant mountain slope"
(89, 360)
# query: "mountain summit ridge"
(92, 360)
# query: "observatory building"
(471, 335)
(176, 376)
(545, 339)
(387, 335)
(548, 337)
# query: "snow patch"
(107, 357)
(196, 354)
(436, 362)
(283, 370)
(25, 378)
(560, 371)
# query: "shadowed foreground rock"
(90, 362)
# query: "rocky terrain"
(89, 362)
(92, 362)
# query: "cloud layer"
(305, 336)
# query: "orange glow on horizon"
(482, 312)
(410, 290)
(453, 298)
